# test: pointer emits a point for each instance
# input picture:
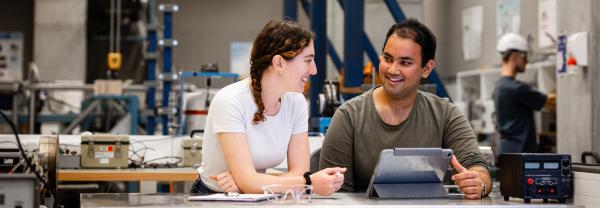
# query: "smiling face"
(296, 71)
(400, 67)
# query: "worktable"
(146, 174)
(336, 200)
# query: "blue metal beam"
(335, 58)
(353, 45)
(371, 53)
(290, 10)
(395, 9)
(440, 88)
(368, 46)
(167, 64)
(319, 27)
(151, 64)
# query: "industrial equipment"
(9, 158)
(69, 161)
(536, 176)
(104, 151)
(192, 150)
(19, 190)
(196, 111)
(48, 153)
(11, 56)
(196, 108)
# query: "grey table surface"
(336, 200)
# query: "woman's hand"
(328, 181)
(226, 182)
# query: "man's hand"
(226, 182)
(550, 102)
(470, 182)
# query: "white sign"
(240, 58)
(546, 23)
(508, 17)
(472, 23)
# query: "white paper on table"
(547, 22)
(472, 20)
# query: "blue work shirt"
(515, 103)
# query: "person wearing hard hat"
(516, 101)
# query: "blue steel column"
(290, 9)
(353, 47)
(151, 64)
(318, 24)
(395, 9)
(167, 58)
(368, 46)
(330, 50)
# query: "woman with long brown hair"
(255, 123)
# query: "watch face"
(483, 188)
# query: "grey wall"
(578, 95)
(60, 39)
(204, 29)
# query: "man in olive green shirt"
(398, 115)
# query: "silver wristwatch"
(484, 191)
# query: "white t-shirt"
(232, 110)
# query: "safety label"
(104, 154)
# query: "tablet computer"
(410, 173)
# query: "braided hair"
(278, 37)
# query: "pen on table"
(232, 194)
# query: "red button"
(110, 148)
(529, 181)
(551, 190)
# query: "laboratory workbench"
(147, 174)
(336, 200)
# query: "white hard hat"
(512, 41)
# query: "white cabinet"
(475, 90)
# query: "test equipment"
(536, 176)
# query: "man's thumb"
(459, 168)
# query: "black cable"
(166, 157)
(14, 129)
(2, 142)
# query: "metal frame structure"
(187, 74)
(356, 41)
(95, 102)
(151, 57)
(167, 43)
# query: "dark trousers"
(200, 187)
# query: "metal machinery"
(19, 190)
(536, 176)
(48, 153)
(196, 117)
(104, 151)
(192, 150)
